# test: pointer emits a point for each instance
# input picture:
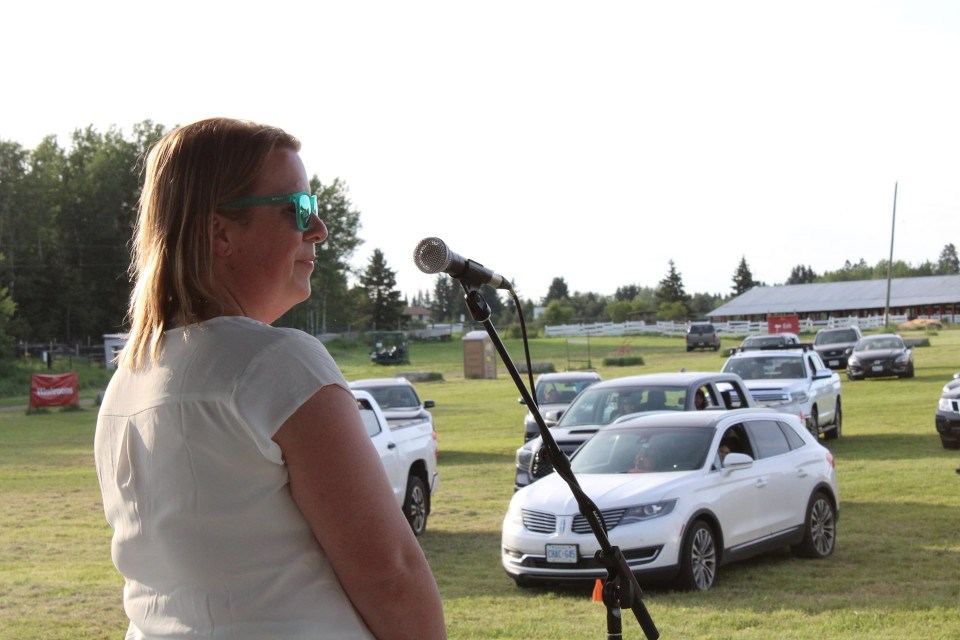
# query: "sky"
(593, 141)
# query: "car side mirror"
(551, 418)
(821, 374)
(429, 404)
(522, 401)
(734, 461)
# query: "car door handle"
(801, 473)
(392, 445)
(761, 483)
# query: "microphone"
(432, 255)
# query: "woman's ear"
(220, 228)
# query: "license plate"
(562, 553)
(877, 367)
(834, 363)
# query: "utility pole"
(893, 226)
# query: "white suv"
(793, 375)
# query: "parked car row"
(690, 470)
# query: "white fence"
(733, 328)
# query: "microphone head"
(431, 255)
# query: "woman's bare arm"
(338, 482)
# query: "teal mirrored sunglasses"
(306, 205)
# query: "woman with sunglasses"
(245, 497)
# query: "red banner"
(57, 390)
(781, 324)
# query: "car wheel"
(698, 558)
(813, 424)
(819, 530)
(834, 433)
(950, 444)
(415, 505)
(853, 378)
(689, 349)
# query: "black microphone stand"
(621, 586)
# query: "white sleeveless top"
(206, 533)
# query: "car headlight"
(945, 405)
(524, 456)
(514, 513)
(649, 511)
(903, 358)
(854, 360)
(800, 396)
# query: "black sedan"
(884, 354)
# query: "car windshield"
(603, 406)
(561, 391)
(835, 335)
(656, 449)
(394, 397)
(767, 367)
(875, 344)
(701, 328)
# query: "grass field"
(895, 572)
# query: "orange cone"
(598, 591)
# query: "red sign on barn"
(783, 324)
(54, 390)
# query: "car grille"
(611, 518)
(540, 522)
(770, 396)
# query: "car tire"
(853, 378)
(813, 424)
(698, 558)
(950, 444)
(835, 432)
(819, 528)
(416, 505)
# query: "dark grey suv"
(835, 345)
(702, 335)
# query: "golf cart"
(390, 347)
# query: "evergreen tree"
(382, 301)
(742, 278)
(558, 291)
(331, 305)
(627, 292)
(949, 263)
(670, 288)
(801, 274)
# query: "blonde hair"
(189, 173)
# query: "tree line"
(67, 216)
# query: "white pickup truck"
(409, 455)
